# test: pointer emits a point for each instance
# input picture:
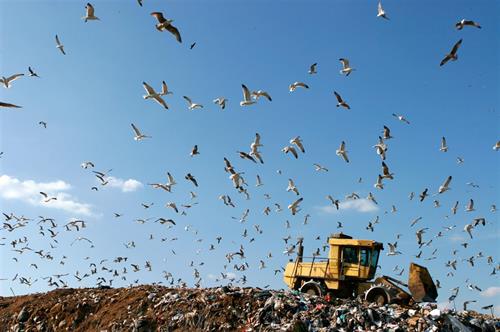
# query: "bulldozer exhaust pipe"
(300, 249)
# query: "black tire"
(311, 288)
(378, 296)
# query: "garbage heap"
(157, 308)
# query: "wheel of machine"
(377, 295)
(312, 288)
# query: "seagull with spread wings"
(247, 97)
(312, 69)
(7, 105)
(445, 186)
(381, 12)
(192, 105)
(340, 101)
(342, 152)
(166, 24)
(292, 87)
(221, 101)
(453, 53)
(444, 146)
(346, 68)
(59, 45)
(138, 135)
(294, 207)
(89, 15)
(6, 80)
(463, 23)
(152, 94)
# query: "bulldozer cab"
(359, 261)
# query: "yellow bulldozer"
(348, 269)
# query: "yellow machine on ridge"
(348, 269)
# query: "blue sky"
(89, 97)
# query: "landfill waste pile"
(158, 308)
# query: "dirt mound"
(157, 308)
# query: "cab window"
(375, 258)
(364, 257)
(350, 255)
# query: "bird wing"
(345, 62)
(246, 93)
(302, 84)
(148, 88)
(445, 60)
(293, 151)
(257, 139)
(380, 9)
(90, 9)
(173, 30)
(188, 100)
(265, 94)
(447, 181)
(339, 98)
(443, 142)
(164, 88)
(160, 101)
(456, 46)
(159, 17)
(136, 130)
(43, 194)
(57, 41)
(14, 77)
(2, 104)
(472, 23)
(313, 67)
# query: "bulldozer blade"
(420, 284)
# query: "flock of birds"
(105, 271)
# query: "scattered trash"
(157, 308)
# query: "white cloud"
(124, 185)
(29, 191)
(491, 292)
(358, 205)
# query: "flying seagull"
(341, 102)
(294, 207)
(138, 136)
(292, 150)
(453, 54)
(59, 45)
(152, 94)
(318, 167)
(381, 12)
(166, 24)
(460, 25)
(443, 147)
(6, 80)
(341, 152)
(261, 93)
(400, 118)
(298, 142)
(90, 13)
(312, 69)
(496, 147)
(346, 68)
(32, 73)
(295, 85)
(7, 105)
(221, 101)
(192, 105)
(445, 186)
(247, 98)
